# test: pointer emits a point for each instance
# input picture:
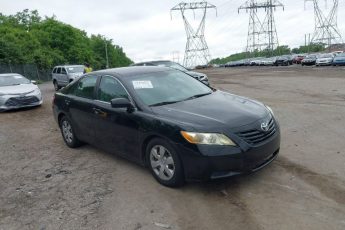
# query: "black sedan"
(309, 60)
(178, 127)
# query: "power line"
(326, 25)
(197, 51)
(262, 34)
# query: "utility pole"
(326, 30)
(106, 54)
(262, 34)
(197, 51)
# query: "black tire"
(56, 85)
(177, 179)
(73, 141)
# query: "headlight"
(207, 138)
(269, 109)
(36, 91)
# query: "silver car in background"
(63, 75)
(16, 92)
(325, 59)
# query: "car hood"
(214, 112)
(17, 89)
(339, 59)
(324, 59)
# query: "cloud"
(145, 30)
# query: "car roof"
(133, 70)
(68, 66)
(9, 74)
(152, 62)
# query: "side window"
(54, 70)
(58, 70)
(63, 71)
(85, 87)
(110, 88)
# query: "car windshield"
(75, 69)
(311, 56)
(326, 56)
(13, 80)
(341, 55)
(167, 87)
(172, 65)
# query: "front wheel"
(164, 163)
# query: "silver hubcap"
(67, 131)
(162, 162)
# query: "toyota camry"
(178, 127)
(16, 92)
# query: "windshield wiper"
(164, 103)
(196, 96)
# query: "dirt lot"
(45, 185)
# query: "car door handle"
(99, 112)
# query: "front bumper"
(213, 162)
(338, 62)
(15, 102)
(323, 63)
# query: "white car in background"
(63, 75)
(324, 59)
(16, 92)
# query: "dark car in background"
(282, 60)
(199, 76)
(162, 118)
(309, 60)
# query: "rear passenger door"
(64, 77)
(80, 105)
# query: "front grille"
(19, 101)
(255, 136)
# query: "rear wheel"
(164, 163)
(68, 133)
(56, 85)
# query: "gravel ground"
(45, 185)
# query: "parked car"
(339, 59)
(282, 60)
(16, 92)
(268, 61)
(309, 60)
(299, 58)
(290, 59)
(178, 127)
(324, 59)
(199, 76)
(63, 75)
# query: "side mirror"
(121, 103)
(34, 82)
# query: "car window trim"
(130, 98)
(95, 89)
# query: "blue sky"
(146, 31)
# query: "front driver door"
(116, 129)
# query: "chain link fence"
(30, 71)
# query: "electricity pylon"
(261, 34)
(196, 52)
(326, 26)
